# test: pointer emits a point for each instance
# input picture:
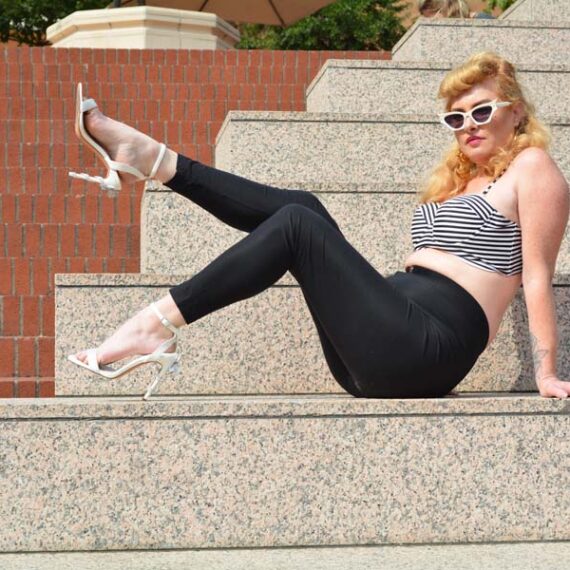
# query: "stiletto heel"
(169, 365)
(169, 361)
(112, 183)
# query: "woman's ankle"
(170, 310)
(167, 168)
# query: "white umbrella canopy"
(275, 12)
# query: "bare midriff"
(493, 291)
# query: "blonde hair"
(446, 8)
(451, 176)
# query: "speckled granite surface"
(505, 556)
(172, 478)
(344, 86)
(178, 237)
(455, 40)
(278, 405)
(539, 10)
(344, 148)
(239, 350)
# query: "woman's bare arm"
(543, 204)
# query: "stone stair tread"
(279, 406)
(417, 65)
(151, 279)
(558, 10)
(334, 187)
(495, 556)
(328, 117)
(120, 474)
(343, 147)
(375, 218)
(457, 38)
(369, 88)
(441, 64)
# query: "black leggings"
(409, 335)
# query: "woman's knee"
(301, 213)
(308, 208)
(294, 215)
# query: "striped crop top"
(469, 227)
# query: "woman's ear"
(519, 113)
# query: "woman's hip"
(429, 349)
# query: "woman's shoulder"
(531, 159)
(534, 166)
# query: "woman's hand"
(552, 387)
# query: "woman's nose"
(470, 124)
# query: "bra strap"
(492, 183)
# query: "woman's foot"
(127, 145)
(141, 334)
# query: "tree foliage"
(345, 25)
(502, 4)
(25, 21)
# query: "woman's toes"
(82, 356)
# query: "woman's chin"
(478, 158)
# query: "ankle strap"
(158, 161)
(164, 320)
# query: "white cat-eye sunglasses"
(480, 115)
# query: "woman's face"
(481, 142)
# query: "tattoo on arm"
(537, 355)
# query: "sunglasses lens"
(482, 114)
(454, 120)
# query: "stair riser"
(373, 223)
(321, 148)
(376, 224)
(370, 87)
(189, 482)
(454, 40)
(239, 350)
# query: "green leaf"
(25, 21)
(345, 25)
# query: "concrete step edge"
(201, 407)
(551, 555)
(155, 280)
(380, 65)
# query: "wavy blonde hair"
(451, 176)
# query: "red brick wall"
(50, 224)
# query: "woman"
(492, 216)
(443, 8)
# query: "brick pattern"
(50, 224)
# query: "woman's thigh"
(389, 344)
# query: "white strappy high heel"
(168, 360)
(112, 183)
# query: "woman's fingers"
(554, 388)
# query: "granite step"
(370, 86)
(454, 40)
(497, 556)
(538, 10)
(239, 350)
(84, 474)
(179, 237)
(323, 148)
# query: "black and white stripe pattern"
(469, 227)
